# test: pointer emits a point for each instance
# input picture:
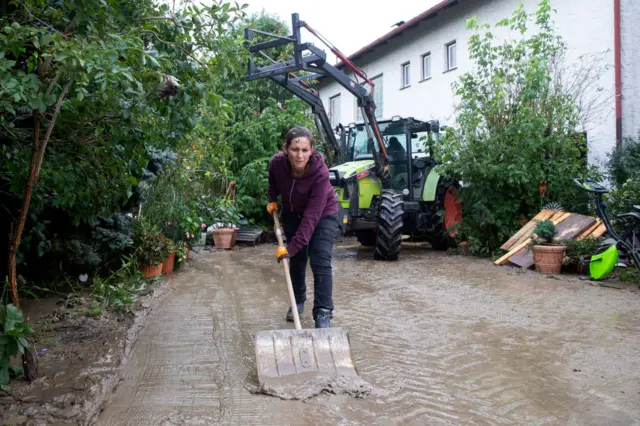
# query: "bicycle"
(626, 246)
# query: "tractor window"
(395, 141)
(357, 145)
(419, 143)
(396, 147)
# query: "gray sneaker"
(290, 313)
(323, 318)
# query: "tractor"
(418, 201)
(384, 173)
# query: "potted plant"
(225, 220)
(169, 262)
(153, 249)
(579, 253)
(547, 253)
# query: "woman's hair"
(298, 132)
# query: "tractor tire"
(437, 233)
(366, 238)
(390, 226)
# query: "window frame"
(378, 82)
(422, 58)
(447, 55)
(406, 75)
(332, 117)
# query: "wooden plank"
(588, 232)
(504, 259)
(599, 231)
(526, 229)
(523, 244)
(567, 227)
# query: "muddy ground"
(82, 345)
(441, 339)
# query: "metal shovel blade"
(299, 355)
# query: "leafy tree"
(262, 114)
(95, 87)
(517, 129)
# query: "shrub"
(544, 232)
(515, 144)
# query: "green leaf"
(46, 39)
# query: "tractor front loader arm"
(309, 95)
(314, 64)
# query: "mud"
(81, 348)
(304, 390)
(441, 340)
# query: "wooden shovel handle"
(285, 265)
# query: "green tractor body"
(419, 204)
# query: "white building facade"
(414, 65)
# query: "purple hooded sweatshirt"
(310, 195)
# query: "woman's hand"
(272, 207)
(282, 253)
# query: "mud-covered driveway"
(444, 339)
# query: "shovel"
(291, 357)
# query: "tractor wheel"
(366, 238)
(389, 226)
(445, 212)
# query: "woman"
(309, 218)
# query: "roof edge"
(397, 31)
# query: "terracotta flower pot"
(167, 265)
(548, 257)
(223, 238)
(149, 271)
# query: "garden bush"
(516, 143)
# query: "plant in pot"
(547, 252)
(579, 253)
(153, 248)
(225, 220)
(169, 262)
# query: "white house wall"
(586, 26)
(630, 58)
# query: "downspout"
(618, 71)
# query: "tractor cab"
(406, 141)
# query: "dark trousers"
(319, 250)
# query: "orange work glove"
(272, 207)
(282, 253)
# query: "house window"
(426, 66)
(377, 99)
(334, 110)
(406, 75)
(451, 56)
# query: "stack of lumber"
(568, 225)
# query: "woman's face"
(299, 152)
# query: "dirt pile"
(340, 385)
